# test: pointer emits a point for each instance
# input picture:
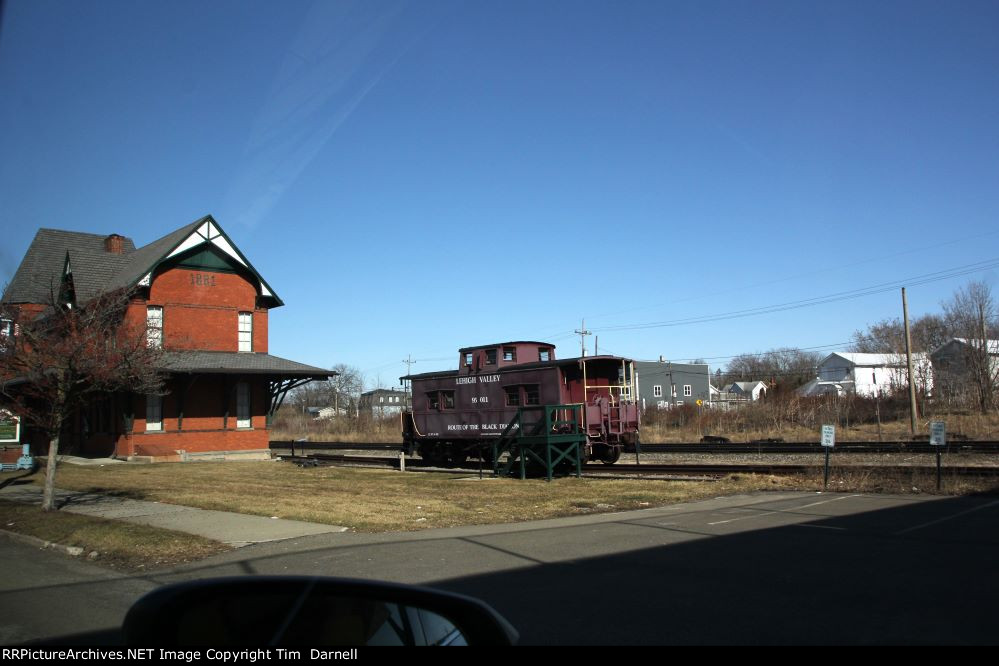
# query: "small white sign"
(938, 433)
(828, 435)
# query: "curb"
(74, 551)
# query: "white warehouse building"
(841, 373)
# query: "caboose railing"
(544, 434)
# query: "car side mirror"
(310, 611)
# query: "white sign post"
(938, 439)
(828, 442)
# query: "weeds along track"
(704, 470)
(759, 447)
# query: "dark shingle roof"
(239, 363)
(141, 260)
(94, 269)
(41, 269)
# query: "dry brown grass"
(768, 420)
(117, 544)
(371, 500)
(291, 425)
(374, 500)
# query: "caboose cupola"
(489, 358)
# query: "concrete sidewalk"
(235, 529)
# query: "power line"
(816, 300)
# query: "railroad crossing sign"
(938, 433)
(829, 436)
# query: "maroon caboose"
(458, 413)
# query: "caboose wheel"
(609, 455)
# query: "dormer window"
(490, 357)
(468, 359)
(544, 354)
(510, 354)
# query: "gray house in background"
(665, 385)
(384, 402)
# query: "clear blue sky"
(413, 177)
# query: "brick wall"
(201, 310)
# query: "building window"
(544, 354)
(657, 391)
(510, 354)
(154, 327)
(687, 389)
(532, 396)
(490, 357)
(154, 413)
(243, 405)
(512, 396)
(245, 331)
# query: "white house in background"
(751, 391)
(841, 373)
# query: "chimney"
(114, 244)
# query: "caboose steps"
(545, 435)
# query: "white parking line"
(946, 518)
(771, 513)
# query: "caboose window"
(468, 359)
(509, 353)
(448, 399)
(532, 396)
(490, 357)
(543, 354)
(512, 396)
(433, 401)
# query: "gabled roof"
(874, 360)
(993, 345)
(747, 387)
(94, 269)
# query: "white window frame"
(154, 326)
(657, 391)
(687, 390)
(154, 413)
(245, 328)
(244, 417)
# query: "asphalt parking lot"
(774, 568)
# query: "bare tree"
(56, 363)
(971, 315)
(341, 391)
(345, 387)
(888, 336)
(786, 367)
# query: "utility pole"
(582, 338)
(409, 362)
(908, 359)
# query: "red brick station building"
(205, 304)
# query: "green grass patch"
(117, 544)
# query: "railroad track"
(722, 448)
(652, 469)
